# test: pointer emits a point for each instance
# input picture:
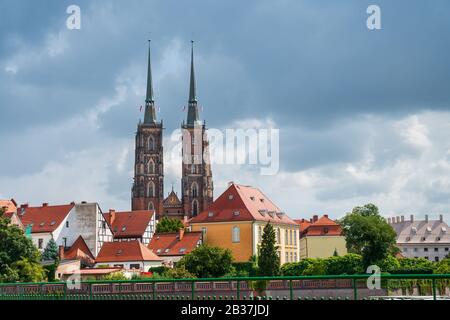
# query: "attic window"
(444, 229)
(115, 229)
(166, 251)
(124, 228)
(210, 214)
(158, 251)
(119, 252)
(263, 212)
(422, 239)
(413, 229)
(182, 250)
(52, 223)
(252, 198)
(41, 224)
(236, 213)
(230, 197)
(438, 238)
(262, 200)
(428, 229)
(408, 238)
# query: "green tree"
(51, 251)
(268, 260)
(166, 225)
(296, 268)
(349, 264)
(178, 273)
(206, 262)
(368, 234)
(118, 275)
(317, 268)
(19, 258)
(443, 266)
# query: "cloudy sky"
(364, 116)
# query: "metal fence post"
(238, 287)
(434, 288)
(193, 290)
(291, 291)
(355, 290)
(154, 290)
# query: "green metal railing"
(215, 288)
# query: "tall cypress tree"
(268, 260)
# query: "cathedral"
(196, 181)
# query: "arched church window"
(150, 189)
(194, 190)
(151, 166)
(151, 143)
(194, 208)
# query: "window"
(436, 259)
(405, 249)
(436, 249)
(446, 249)
(194, 190)
(151, 207)
(286, 236)
(64, 242)
(295, 256)
(236, 213)
(182, 250)
(291, 240)
(278, 235)
(103, 224)
(259, 234)
(151, 143)
(158, 251)
(135, 266)
(151, 190)
(427, 258)
(194, 208)
(286, 257)
(425, 249)
(67, 224)
(210, 214)
(166, 251)
(40, 243)
(415, 249)
(151, 166)
(204, 231)
(325, 230)
(236, 234)
(295, 237)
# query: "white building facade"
(425, 238)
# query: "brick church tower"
(196, 182)
(148, 185)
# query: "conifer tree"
(268, 260)
(50, 251)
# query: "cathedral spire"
(193, 116)
(150, 112)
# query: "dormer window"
(429, 229)
(262, 200)
(444, 229)
(210, 214)
(119, 252)
(236, 213)
(52, 223)
(166, 251)
(230, 197)
(182, 250)
(158, 251)
(422, 239)
(414, 230)
(252, 198)
(124, 228)
(41, 224)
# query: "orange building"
(236, 221)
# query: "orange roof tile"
(125, 251)
(79, 249)
(44, 219)
(321, 227)
(129, 224)
(169, 244)
(9, 205)
(242, 203)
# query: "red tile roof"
(9, 205)
(78, 250)
(242, 203)
(321, 227)
(129, 224)
(96, 271)
(303, 224)
(125, 251)
(169, 244)
(44, 219)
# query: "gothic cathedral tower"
(148, 185)
(196, 181)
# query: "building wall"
(322, 246)
(425, 250)
(288, 244)
(45, 239)
(221, 235)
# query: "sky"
(363, 115)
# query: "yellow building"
(236, 221)
(321, 238)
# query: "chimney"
(24, 206)
(112, 216)
(441, 218)
(61, 253)
(230, 183)
(398, 219)
(325, 215)
(411, 218)
(426, 218)
(72, 203)
(402, 218)
(315, 218)
(45, 204)
(181, 234)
